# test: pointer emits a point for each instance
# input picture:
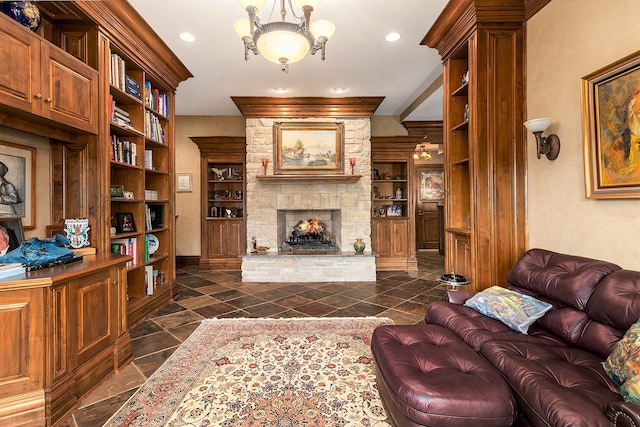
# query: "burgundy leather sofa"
(555, 371)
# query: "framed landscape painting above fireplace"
(308, 148)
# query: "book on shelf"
(148, 277)
(148, 159)
(132, 87)
(127, 246)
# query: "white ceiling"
(357, 57)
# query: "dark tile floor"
(399, 295)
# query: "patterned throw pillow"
(622, 363)
(630, 390)
(515, 310)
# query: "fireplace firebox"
(309, 231)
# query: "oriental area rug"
(264, 372)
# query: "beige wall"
(567, 40)
(43, 176)
(188, 161)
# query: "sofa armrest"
(624, 414)
(457, 297)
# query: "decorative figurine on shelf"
(265, 163)
(398, 193)
(219, 173)
(352, 163)
(254, 244)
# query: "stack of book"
(7, 270)
(120, 116)
(150, 194)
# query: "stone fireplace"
(273, 207)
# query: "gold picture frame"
(611, 130)
(20, 173)
(308, 148)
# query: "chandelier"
(421, 152)
(283, 42)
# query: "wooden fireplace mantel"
(308, 179)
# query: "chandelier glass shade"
(283, 42)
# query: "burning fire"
(313, 226)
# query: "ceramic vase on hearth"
(359, 246)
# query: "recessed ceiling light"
(187, 37)
(392, 37)
(279, 89)
(339, 89)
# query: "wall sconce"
(547, 145)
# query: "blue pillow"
(517, 311)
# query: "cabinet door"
(214, 242)
(92, 304)
(399, 238)
(69, 90)
(380, 240)
(19, 68)
(462, 255)
(233, 238)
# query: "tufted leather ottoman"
(428, 377)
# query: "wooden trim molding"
(262, 107)
(308, 179)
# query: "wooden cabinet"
(393, 205)
(63, 333)
(224, 236)
(482, 46)
(38, 78)
(389, 239)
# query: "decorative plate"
(153, 243)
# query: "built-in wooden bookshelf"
(482, 48)
(141, 176)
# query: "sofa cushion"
(568, 279)
(621, 363)
(517, 311)
(427, 376)
(475, 328)
(555, 385)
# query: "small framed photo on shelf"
(10, 234)
(394, 210)
(125, 223)
(116, 191)
(376, 174)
